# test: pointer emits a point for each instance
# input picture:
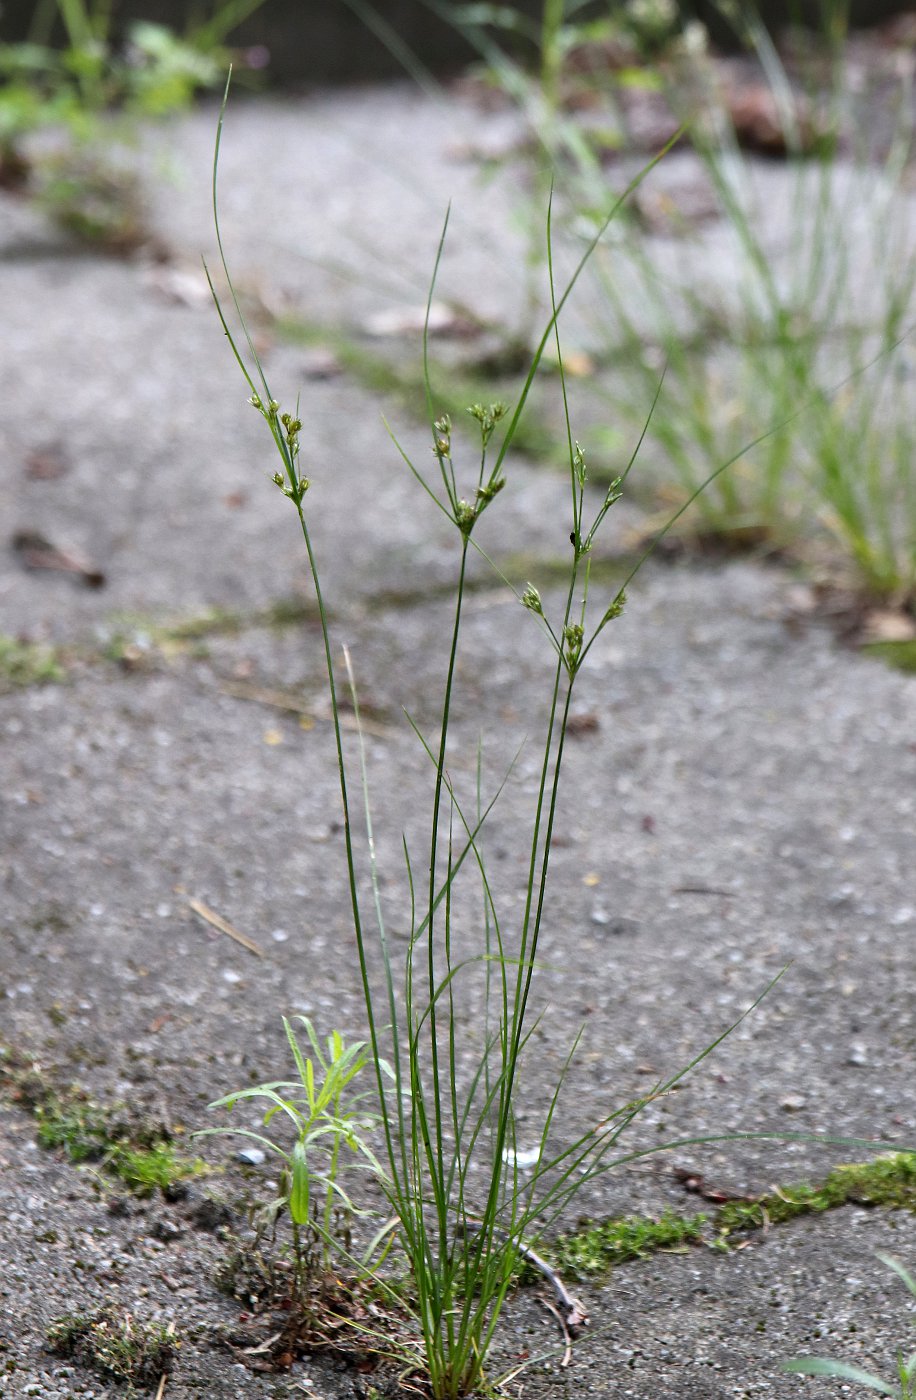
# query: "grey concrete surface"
(739, 797)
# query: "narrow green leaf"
(822, 1366)
(299, 1188)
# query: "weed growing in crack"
(78, 78)
(27, 663)
(467, 1211)
(328, 1123)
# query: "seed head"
(615, 609)
(572, 636)
(442, 436)
(465, 517)
(487, 415)
(493, 488)
(531, 599)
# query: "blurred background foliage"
(328, 40)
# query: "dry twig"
(218, 922)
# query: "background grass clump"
(784, 306)
(84, 84)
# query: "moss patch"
(900, 655)
(116, 1345)
(887, 1181)
(27, 663)
(137, 1152)
(599, 1247)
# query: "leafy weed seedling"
(92, 90)
(327, 1122)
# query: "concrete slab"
(740, 795)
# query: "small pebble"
(251, 1156)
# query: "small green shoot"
(902, 1388)
(328, 1126)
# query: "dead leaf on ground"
(46, 463)
(758, 121)
(34, 551)
(410, 320)
(886, 625)
(579, 724)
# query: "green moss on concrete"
(120, 1143)
(116, 1345)
(598, 1248)
(888, 1181)
(900, 655)
(27, 663)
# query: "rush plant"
(468, 1202)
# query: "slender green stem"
(437, 1158)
